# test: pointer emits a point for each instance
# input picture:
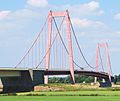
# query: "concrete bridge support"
(105, 82)
(25, 82)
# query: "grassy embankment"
(59, 98)
(67, 92)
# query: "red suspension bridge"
(57, 51)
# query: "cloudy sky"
(95, 21)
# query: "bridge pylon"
(105, 46)
(51, 17)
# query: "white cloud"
(81, 22)
(37, 3)
(115, 50)
(17, 19)
(4, 14)
(118, 33)
(93, 5)
(117, 16)
(85, 23)
(91, 8)
(86, 9)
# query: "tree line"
(117, 78)
(67, 79)
(78, 79)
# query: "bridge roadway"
(14, 72)
(81, 72)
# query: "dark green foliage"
(78, 79)
(117, 78)
(56, 80)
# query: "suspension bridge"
(55, 51)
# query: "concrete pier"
(25, 82)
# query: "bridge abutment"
(105, 82)
(25, 82)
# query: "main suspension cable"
(64, 43)
(79, 46)
(32, 44)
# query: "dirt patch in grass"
(48, 88)
(65, 87)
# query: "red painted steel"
(97, 57)
(70, 47)
(66, 15)
(48, 44)
(108, 61)
(105, 46)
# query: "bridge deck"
(67, 72)
(16, 72)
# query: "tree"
(78, 79)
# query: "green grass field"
(70, 93)
(65, 96)
(60, 98)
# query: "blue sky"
(95, 21)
